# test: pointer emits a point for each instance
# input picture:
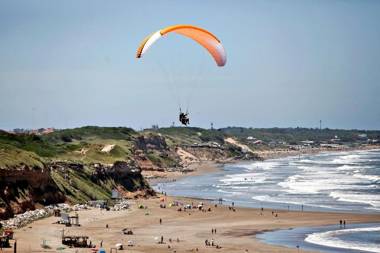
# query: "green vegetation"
(88, 132)
(11, 156)
(79, 144)
(72, 154)
(78, 187)
(32, 143)
(190, 135)
(161, 160)
(296, 135)
(85, 144)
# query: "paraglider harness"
(184, 117)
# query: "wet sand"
(193, 169)
(235, 230)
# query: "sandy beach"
(193, 169)
(235, 230)
(189, 126)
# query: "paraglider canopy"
(205, 38)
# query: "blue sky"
(290, 63)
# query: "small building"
(115, 194)
(307, 143)
(69, 220)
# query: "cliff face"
(152, 152)
(125, 176)
(77, 165)
(22, 188)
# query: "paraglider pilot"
(184, 118)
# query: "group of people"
(342, 223)
(212, 243)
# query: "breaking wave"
(333, 239)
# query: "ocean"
(340, 181)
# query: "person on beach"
(160, 221)
(344, 223)
(340, 223)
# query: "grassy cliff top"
(11, 156)
(83, 144)
(108, 144)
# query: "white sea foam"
(373, 178)
(330, 239)
(245, 178)
(347, 167)
(354, 197)
(344, 181)
(321, 181)
(266, 165)
(267, 198)
(292, 201)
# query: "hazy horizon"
(290, 63)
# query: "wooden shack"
(80, 241)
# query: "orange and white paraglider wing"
(202, 36)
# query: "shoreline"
(194, 169)
(203, 167)
(236, 230)
(320, 238)
(312, 151)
